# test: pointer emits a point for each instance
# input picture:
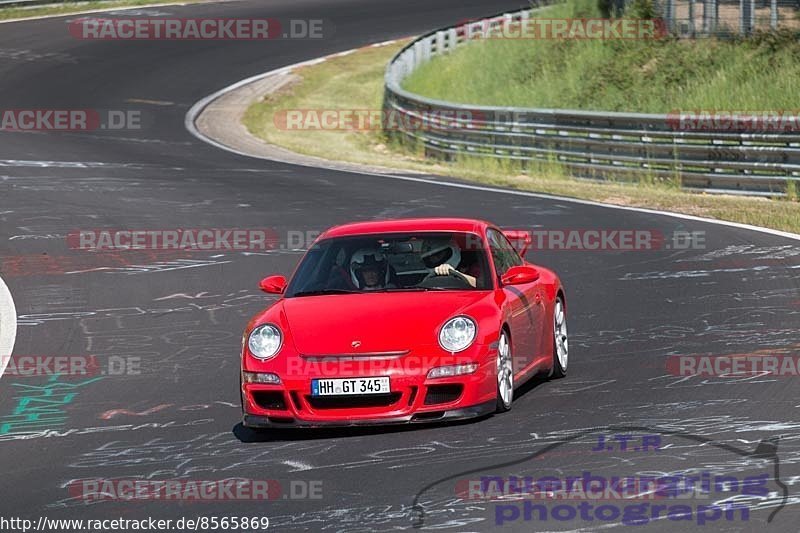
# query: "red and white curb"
(198, 107)
(8, 325)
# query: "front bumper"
(413, 398)
(256, 421)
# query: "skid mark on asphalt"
(149, 102)
(74, 432)
(108, 415)
(66, 164)
(114, 316)
(31, 56)
(161, 266)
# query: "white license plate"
(350, 386)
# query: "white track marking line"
(198, 107)
(8, 326)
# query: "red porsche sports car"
(402, 321)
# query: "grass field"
(355, 81)
(651, 76)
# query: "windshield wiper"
(319, 292)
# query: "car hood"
(380, 322)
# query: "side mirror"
(520, 239)
(273, 284)
(518, 275)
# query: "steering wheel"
(431, 274)
(453, 274)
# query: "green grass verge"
(355, 81)
(649, 76)
(67, 8)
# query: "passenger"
(369, 270)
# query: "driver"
(369, 270)
(446, 256)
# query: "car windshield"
(393, 262)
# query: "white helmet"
(366, 258)
(434, 253)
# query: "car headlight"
(265, 341)
(457, 334)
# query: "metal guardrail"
(23, 3)
(588, 143)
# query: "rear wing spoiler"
(520, 239)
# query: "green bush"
(642, 9)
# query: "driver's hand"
(443, 270)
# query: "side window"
(503, 254)
(513, 257)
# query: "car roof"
(408, 225)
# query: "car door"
(524, 309)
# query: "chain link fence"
(704, 18)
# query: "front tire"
(505, 374)
(560, 339)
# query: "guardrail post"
(439, 42)
(773, 14)
(417, 54)
(482, 28)
(427, 45)
(669, 14)
(470, 30)
(452, 38)
(710, 16)
(747, 16)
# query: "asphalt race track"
(734, 291)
